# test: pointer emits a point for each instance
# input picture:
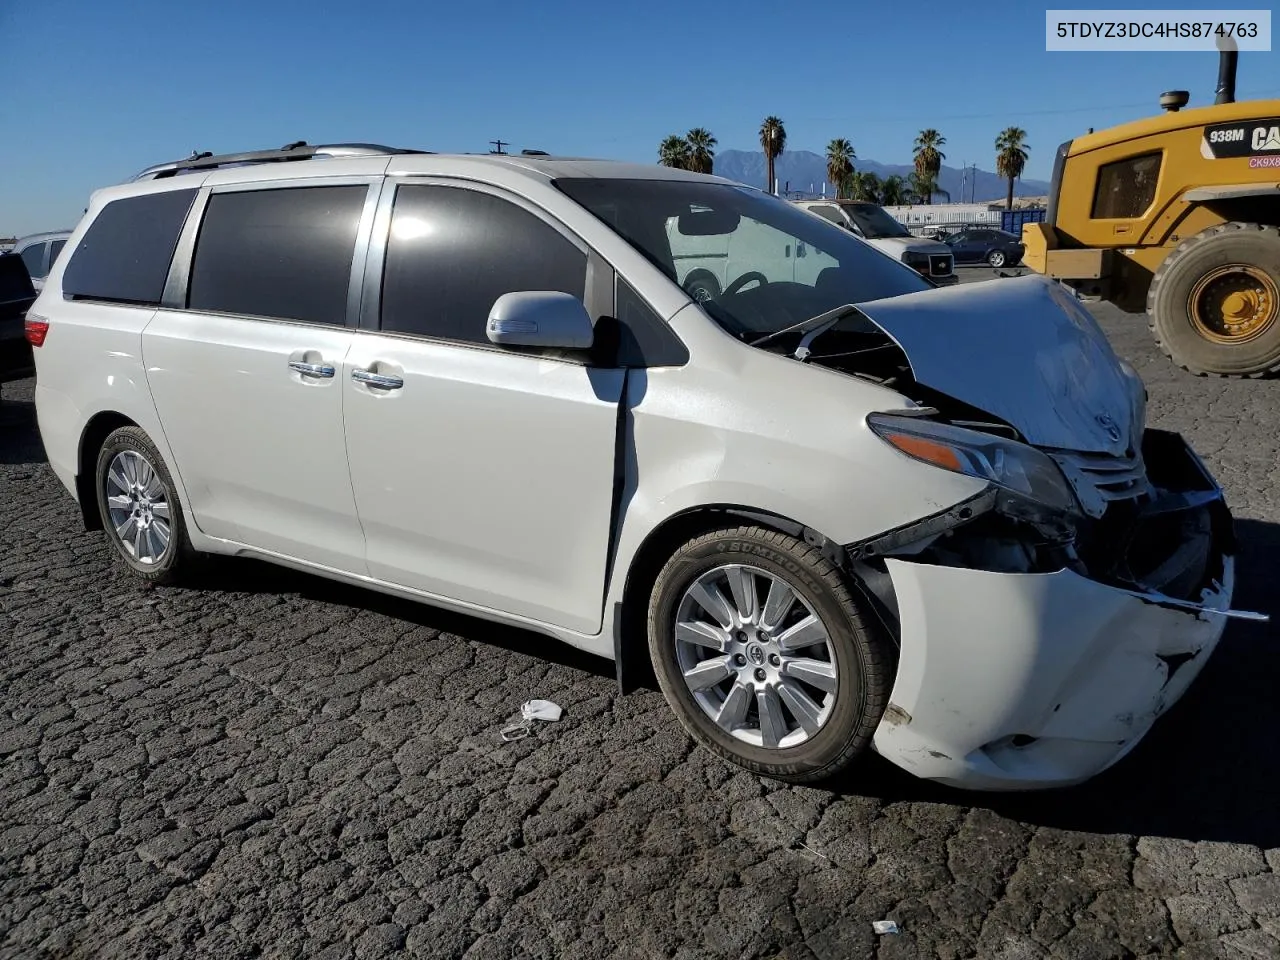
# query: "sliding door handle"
(382, 381)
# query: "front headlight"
(1006, 463)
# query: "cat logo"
(1266, 138)
(1249, 138)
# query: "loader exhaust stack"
(1227, 57)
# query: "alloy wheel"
(138, 507)
(755, 656)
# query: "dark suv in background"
(16, 295)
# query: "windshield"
(874, 222)
(754, 262)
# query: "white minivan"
(834, 509)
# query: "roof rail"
(300, 150)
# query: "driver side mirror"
(540, 318)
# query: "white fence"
(945, 214)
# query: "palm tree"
(865, 185)
(922, 187)
(893, 191)
(1011, 158)
(702, 152)
(674, 152)
(773, 138)
(928, 158)
(840, 157)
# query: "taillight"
(36, 329)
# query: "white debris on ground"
(530, 711)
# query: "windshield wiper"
(813, 328)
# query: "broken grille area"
(1101, 479)
(1172, 541)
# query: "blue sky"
(97, 90)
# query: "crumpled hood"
(1024, 350)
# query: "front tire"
(765, 656)
(141, 515)
(702, 287)
(996, 258)
(1214, 304)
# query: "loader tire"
(1214, 304)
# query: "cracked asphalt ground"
(272, 765)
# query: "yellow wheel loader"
(1177, 216)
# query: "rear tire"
(141, 516)
(772, 673)
(1190, 343)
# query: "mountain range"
(807, 171)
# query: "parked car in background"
(873, 224)
(984, 245)
(837, 509)
(16, 297)
(39, 251)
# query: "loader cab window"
(1126, 188)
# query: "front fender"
(795, 444)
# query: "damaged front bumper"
(1030, 671)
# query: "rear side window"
(55, 248)
(453, 252)
(33, 257)
(124, 255)
(1126, 188)
(283, 253)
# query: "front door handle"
(311, 369)
(377, 379)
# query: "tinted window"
(33, 257)
(644, 338)
(278, 253)
(124, 255)
(453, 252)
(1126, 187)
(55, 248)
